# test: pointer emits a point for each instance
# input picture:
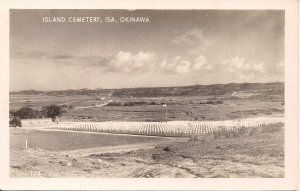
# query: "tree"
(26, 113)
(71, 107)
(52, 111)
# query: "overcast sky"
(175, 48)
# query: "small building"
(36, 122)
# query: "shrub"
(210, 102)
(272, 127)
(27, 113)
(113, 103)
(203, 138)
(152, 103)
(238, 132)
(135, 103)
(243, 131)
(52, 111)
(167, 149)
(219, 102)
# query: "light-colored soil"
(259, 155)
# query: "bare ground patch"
(259, 155)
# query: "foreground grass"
(260, 155)
(60, 141)
(256, 155)
(239, 132)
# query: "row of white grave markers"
(170, 128)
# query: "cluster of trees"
(51, 111)
(212, 102)
(133, 103)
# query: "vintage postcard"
(176, 95)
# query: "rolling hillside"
(215, 89)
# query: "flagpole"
(166, 112)
(166, 106)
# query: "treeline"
(132, 103)
(276, 88)
(144, 103)
(204, 90)
(51, 111)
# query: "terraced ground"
(173, 128)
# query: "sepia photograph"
(153, 95)
(146, 93)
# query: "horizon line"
(99, 88)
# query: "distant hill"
(215, 89)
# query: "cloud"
(276, 71)
(54, 57)
(22, 54)
(122, 62)
(200, 63)
(279, 67)
(61, 57)
(125, 62)
(242, 70)
(182, 66)
(195, 40)
(190, 37)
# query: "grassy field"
(191, 108)
(38, 101)
(248, 152)
(60, 141)
(256, 156)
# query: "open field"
(61, 141)
(182, 110)
(233, 130)
(179, 108)
(191, 103)
(260, 155)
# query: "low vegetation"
(200, 90)
(145, 103)
(27, 112)
(223, 130)
(239, 132)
